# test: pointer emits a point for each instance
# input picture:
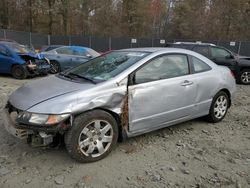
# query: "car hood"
(243, 57)
(41, 90)
(32, 55)
(244, 61)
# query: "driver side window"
(3, 51)
(167, 66)
(219, 53)
(79, 51)
(65, 50)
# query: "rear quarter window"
(199, 65)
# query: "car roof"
(194, 43)
(62, 46)
(8, 42)
(191, 45)
(150, 49)
(154, 49)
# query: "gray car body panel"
(54, 95)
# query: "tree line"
(182, 19)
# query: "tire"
(219, 107)
(18, 72)
(245, 77)
(96, 143)
(55, 67)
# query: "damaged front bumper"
(9, 124)
(34, 135)
(38, 67)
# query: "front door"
(80, 55)
(162, 92)
(223, 57)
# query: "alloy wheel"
(245, 77)
(95, 138)
(220, 107)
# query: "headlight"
(41, 119)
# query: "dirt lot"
(191, 154)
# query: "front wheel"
(245, 76)
(18, 72)
(92, 136)
(219, 107)
(55, 67)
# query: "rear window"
(199, 65)
(203, 50)
(183, 46)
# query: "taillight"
(232, 73)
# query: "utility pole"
(30, 16)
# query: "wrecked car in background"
(65, 57)
(20, 61)
(120, 94)
(239, 65)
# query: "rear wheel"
(245, 76)
(18, 72)
(92, 136)
(55, 67)
(219, 107)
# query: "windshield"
(18, 48)
(106, 66)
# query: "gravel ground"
(191, 154)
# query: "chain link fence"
(103, 44)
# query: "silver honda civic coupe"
(118, 95)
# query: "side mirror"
(229, 57)
(89, 56)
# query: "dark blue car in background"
(20, 61)
(65, 57)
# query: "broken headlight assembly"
(40, 119)
(31, 65)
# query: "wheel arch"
(58, 62)
(244, 68)
(18, 64)
(14, 64)
(53, 60)
(23, 65)
(121, 136)
(228, 94)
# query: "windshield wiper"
(71, 75)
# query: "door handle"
(186, 83)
